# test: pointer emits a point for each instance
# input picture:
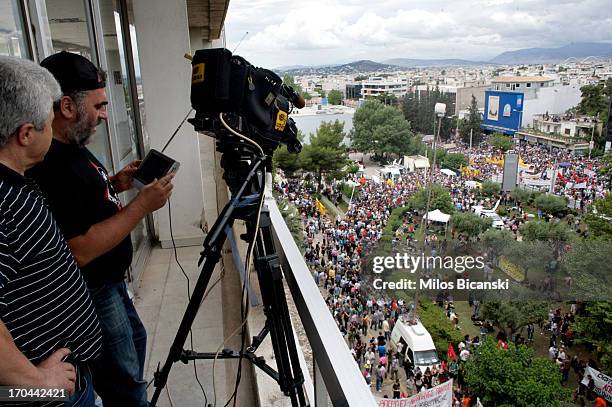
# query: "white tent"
(448, 172)
(438, 216)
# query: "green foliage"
(418, 109)
(490, 189)
(321, 93)
(293, 219)
(593, 330)
(587, 262)
(286, 161)
(395, 220)
(511, 316)
(453, 161)
(551, 204)
(469, 224)
(595, 99)
(520, 195)
(513, 377)
(439, 326)
(495, 241)
(599, 226)
(440, 199)
(382, 130)
(334, 97)
(388, 99)
(359, 78)
(326, 153)
(290, 81)
(500, 141)
(472, 123)
(545, 231)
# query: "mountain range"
(521, 56)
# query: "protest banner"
(603, 383)
(439, 396)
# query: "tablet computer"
(155, 166)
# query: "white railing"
(336, 373)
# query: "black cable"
(195, 368)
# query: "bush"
(490, 188)
(551, 204)
(439, 326)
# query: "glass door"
(125, 94)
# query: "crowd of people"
(334, 247)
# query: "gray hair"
(27, 93)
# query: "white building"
(377, 85)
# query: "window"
(507, 85)
(528, 84)
(518, 85)
(567, 131)
(12, 40)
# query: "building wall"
(554, 100)
(464, 97)
(166, 78)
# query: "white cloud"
(335, 31)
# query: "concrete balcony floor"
(161, 300)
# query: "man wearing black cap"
(84, 200)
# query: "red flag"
(451, 352)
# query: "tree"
(551, 204)
(472, 124)
(469, 224)
(290, 81)
(381, 130)
(454, 160)
(359, 78)
(440, 199)
(500, 142)
(587, 262)
(418, 108)
(490, 188)
(438, 325)
(593, 330)
(599, 226)
(334, 97)
(321, 93)
(513, 377)
(520, 195)
(386, 99)
(495, 241)
(326, 153)
(286, 161)
(545, 231)
(510, 316)
(594, 102)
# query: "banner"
(603, 383)
(439, 396)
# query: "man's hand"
(154, 195)
(122, 181)
(55, 374)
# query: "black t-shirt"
(80, 195)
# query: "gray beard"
(80, 134)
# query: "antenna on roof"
(240, 42)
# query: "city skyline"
(283, 33)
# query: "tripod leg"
(277, 313)
(161, 377)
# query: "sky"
(318, 32)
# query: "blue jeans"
(84, 396)
(118, 372)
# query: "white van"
(417, 344)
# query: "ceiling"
(68, 24)
(209, 15)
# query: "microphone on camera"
(295, 98)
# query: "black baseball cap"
(73, 72)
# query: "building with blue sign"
(503, 112)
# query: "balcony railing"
(337, 376)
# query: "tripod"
(245, 176)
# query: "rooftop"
(503, 79)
